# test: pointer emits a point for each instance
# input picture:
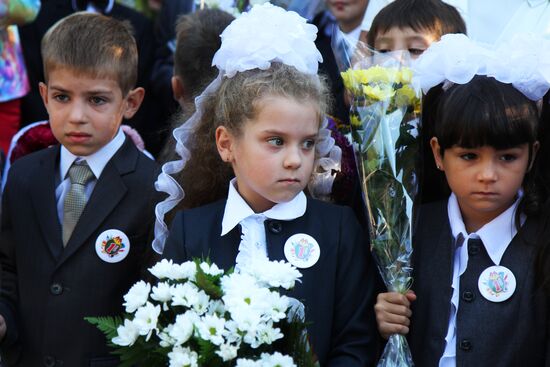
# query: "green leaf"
(107, 324)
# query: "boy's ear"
(224, 143)
(436, 151)
(178, 90)
(133, 101)
(43, 88)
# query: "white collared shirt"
(496, 236)
(96, 162)
(253, 241)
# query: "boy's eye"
(97, 100)
(383, 50)
(61, 97)
(308, 144)
(468, 156)
(416, 51)
(275, 141)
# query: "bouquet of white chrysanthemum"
(199, 315)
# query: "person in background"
(14, 82)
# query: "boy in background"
(76, 218)
(412, 25)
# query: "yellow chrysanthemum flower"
(405, 75)
(355, 121)
(405, 96)
(379, 93)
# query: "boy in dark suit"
(76, 218)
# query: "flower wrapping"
(199, 315)
(384, 129)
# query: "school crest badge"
(302, 250)
(112, 246)
(497, 283)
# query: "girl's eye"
(468, 156)
(275, 141)
(61, 97)
(508, 157)
(97, 100)
(383, 50)
(308, 144)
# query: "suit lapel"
(110, 189)
(43, 198)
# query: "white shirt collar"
(236, 209)
(495, 235)
(97, 161)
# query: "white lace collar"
(236, 209)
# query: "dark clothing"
(47, 290)
(509, 333)
(338, 291)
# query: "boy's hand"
(393, 313)
(3, 328)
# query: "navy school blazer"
(338, 291)
(511, 333)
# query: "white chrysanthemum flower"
(162, 292)
(232, 334)
(162, 269)
(165, 339)
(183, 357)
(211, 328)
(267, 334)
(136, 296)
(276, 360)
(227, 352)
(217, 308)
(186, 294)
(211, 269)
(279, 305)
(273, 274)
(182, 329)
(127, 334)
(146, 319)
(187, 270)
(246, 320)
(243, 362)
(201, 305)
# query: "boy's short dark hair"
(92, 44)
(434, 16)
(198, 39)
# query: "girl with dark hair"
(476, 299)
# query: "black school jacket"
(338, 291)
(511, 333)
(47, 290)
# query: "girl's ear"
(536, 146)
(436, 151)
(224, 142)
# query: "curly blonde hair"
(205, 177)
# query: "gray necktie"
(75, 200)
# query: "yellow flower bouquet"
(384, 128)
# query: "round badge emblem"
(112, 246)
(497, 283)
(302, 250)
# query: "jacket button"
(468, 296)
(49, 361)
(465, 345)
(275, 226)
(56, 289)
